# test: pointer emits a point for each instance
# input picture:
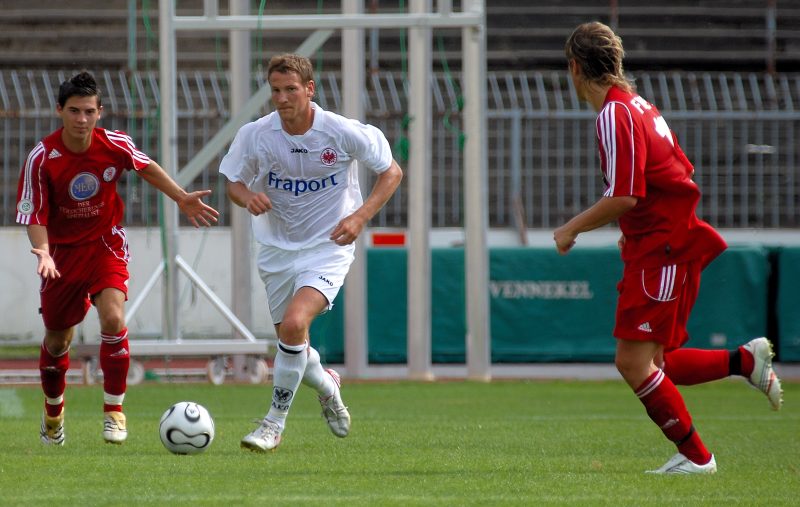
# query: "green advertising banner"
(734, 295)
(788, 304)
(549, 307)
(544, 307)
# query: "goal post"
(420, 20)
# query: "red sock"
(687, 367)
(665, 406)
(114, 361)
(53, 372)
(747, 362)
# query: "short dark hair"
(80, 85)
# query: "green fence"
(545, 307)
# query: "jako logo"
(84, 186)
(325, 280)
(298, 150)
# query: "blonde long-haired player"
(665, 246)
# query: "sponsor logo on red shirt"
(84, 186)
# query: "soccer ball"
(186, 428)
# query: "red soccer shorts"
(654, 303)
(86, 270)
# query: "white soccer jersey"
(309, 178)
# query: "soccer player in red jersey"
(67, 197)
(650, 193)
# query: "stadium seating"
(665, 34)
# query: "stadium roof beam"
(329, 21)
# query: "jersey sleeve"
(32, 190)
(240, 164)
(622, 155)
(138, 159)
(369, 146)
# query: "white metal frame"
(420, 21)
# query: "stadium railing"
(739, 130)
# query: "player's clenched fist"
(565, 239)
(258, 203)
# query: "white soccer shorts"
(284, 272)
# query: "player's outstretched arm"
(190, 203)
(46, 268)
(351, 226)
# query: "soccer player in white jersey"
(292, 170)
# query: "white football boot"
(763, 377)
(52, 431)
(333, 409)
(115, 429)
(680, 464)
(264, 438)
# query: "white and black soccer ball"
(186, 428)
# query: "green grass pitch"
(444, 443)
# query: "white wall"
(206, 250)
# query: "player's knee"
(625, 366)
(112, 324)
(633, 370)
(293, 330)
(57, 342)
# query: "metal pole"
(374, 41)
(355, 294)
(419, 206)
(132, 53)
(241, 285)
(613, 14)
(169, 160)
(517, 208)
(476, 254)
(771, 31)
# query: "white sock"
(290, 363)
(316, 377)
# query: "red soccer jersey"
(640, 157)
(75, 195)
